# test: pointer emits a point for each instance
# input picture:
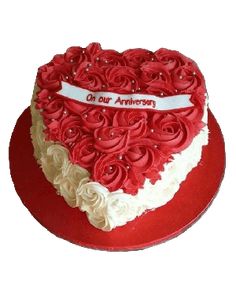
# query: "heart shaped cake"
(116, 133)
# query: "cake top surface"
(121, 115)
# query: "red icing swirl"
(108, 58)
(43, 98)
(111, 140)
(84, 153)
(90, 77)
(161, 88)
(75, 108)
(54, 109)
(49, 77)
(135, 57)
(171, 132)
(146, 159)
(93, 48)
(122, 79)
(154, 71)
(120, 147)
(70, 130)
(134, 121)
(110, 172)
(76, 54)
(171, 59)
(141, 156)
(95, 118)
(186, 79)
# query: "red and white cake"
(117, 133)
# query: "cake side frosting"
(107, 210)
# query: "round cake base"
(153, 227)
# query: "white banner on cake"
(134, 100)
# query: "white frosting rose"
(93, 198)
(54, 163)
(69, 184)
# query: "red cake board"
(153, 227)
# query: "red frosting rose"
(59, 59)
(53, 112)
(187, 78)
(111, 140)
(160, 88)
(135, 57)
(152, 71)
(141, 155)
(84, 152)
(122, 79)
(69, 67)
(70, 130)
(95, 118)
(76, 54)
(108, 58)
(144, 157)
(111, 172)
(90, 77)
(54, 109)
(134, 120)
(93, 48)
(48, 77)
(171, 132)
(195, 114)
(75, 107)
(171, 59)
(43, 98)
(134, 182)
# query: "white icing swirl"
(94, 198)
(107, 210)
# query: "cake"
(117, 133)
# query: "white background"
(202, 260)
